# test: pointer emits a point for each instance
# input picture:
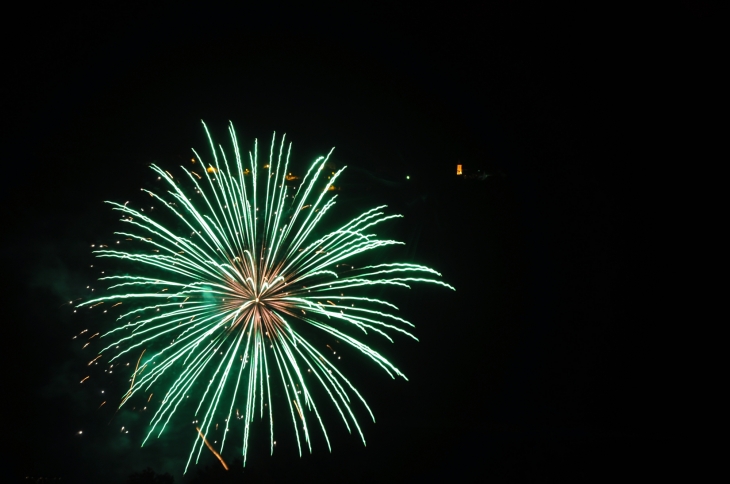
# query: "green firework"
(229, 291)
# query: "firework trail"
(210, 447)
(220, 298)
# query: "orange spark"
(129, 393)
(300, 412)
(212, 449)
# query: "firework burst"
(219, 303)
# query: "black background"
(537, 368)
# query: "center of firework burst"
(258, 302)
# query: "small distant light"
(408, 177)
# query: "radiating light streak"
(298, 411)
(215, 453)
(131, 387)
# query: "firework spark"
(223, 297)
(210, 447)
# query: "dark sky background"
(535, 369)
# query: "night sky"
(535, 369)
